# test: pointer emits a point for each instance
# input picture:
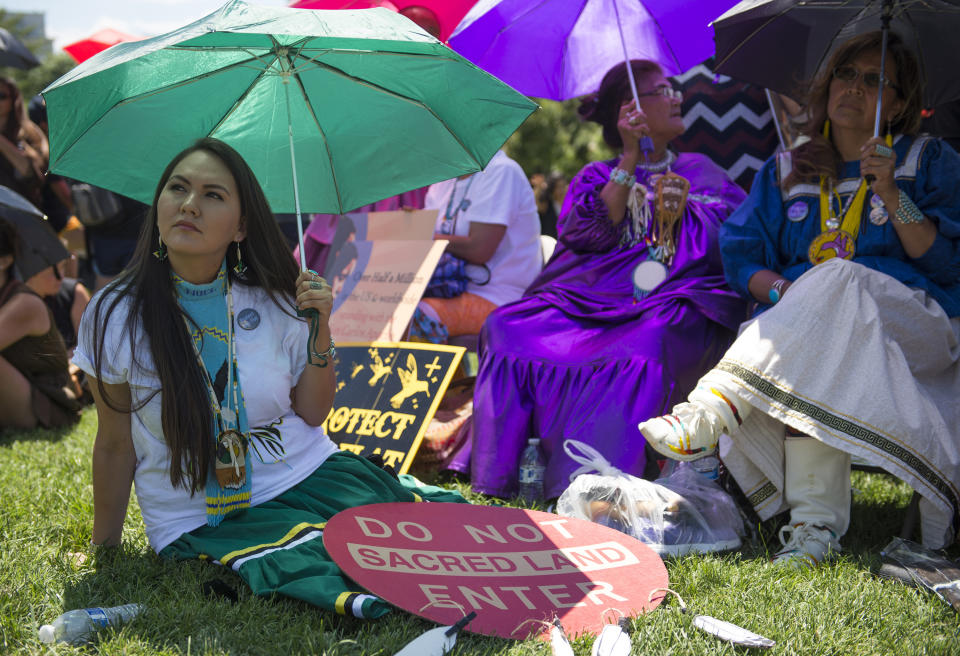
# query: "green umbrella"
(331, 109)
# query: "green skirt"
(277, 546)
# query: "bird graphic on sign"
(410, 383)
(380, 369)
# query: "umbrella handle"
(314, 317)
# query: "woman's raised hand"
(313, 292)
(632, 124)
(877, 159)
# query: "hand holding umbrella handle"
(314, 317)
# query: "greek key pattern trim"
(846, 427)
(765, 492)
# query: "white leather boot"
(692, 430)
(817, 489)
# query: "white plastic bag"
(680, 513)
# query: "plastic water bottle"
(708, 466)
(78, 625)
(531, 472)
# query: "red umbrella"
(84, 49)
(448, 12)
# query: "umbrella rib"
(323, 135)
(381, 89)
(240, 98)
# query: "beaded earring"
(239, 268)
(161, 252)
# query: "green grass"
(45, 496)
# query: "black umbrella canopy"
(14, 53)
(39, 245)
(781, 44)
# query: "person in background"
(850, 244)
(66, 297)
(55, 199)
(490, 221)
(631, 309)
(36, 388)
(23, 147)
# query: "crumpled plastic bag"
(683, 512)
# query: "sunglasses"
(667, 92)
(4, 95)
(851, 74)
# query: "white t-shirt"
(270, 357)
(500, 194)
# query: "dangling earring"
(239, 268)
(161, 252)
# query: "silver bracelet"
(907, 212)
(330, 353)
(621, 177)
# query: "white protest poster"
(379, 265)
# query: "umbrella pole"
(293, 167)
(309, 313)
(646, 144)
(885, 30)
(626, 56)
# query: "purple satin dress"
(579, 358)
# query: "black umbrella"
(779, 44)
(39, 245)
(14, 53)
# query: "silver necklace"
(833, 222)
(660, 165)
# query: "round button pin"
(248, 319)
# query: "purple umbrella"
(560, 49)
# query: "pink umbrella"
(448, 12)
(84, 49)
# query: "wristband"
(907, 212)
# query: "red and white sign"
(443, 560)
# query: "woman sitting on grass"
(35, 385)
(858, 350)
(210, 395)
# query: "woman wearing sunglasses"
(850, 244)
(628, 313)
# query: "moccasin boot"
(817, 489)
(693, 429)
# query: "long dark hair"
(11, 130)
(603, 107)
(185, 408)
(819, 156)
